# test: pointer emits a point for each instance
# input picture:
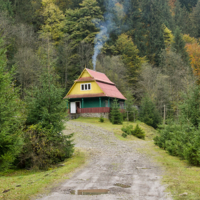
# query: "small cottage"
(92, 95)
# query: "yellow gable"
(85, 74)
(77, 87)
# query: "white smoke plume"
(107, 26)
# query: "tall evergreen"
(189, 4)
(11, 115)
(134, 21)
(45, 143)
(178, 46)
(182, 19)
(196, 20)
(152, 19)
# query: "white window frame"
(88, 84)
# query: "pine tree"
(115, 114)
(178, 46)
(11, 115)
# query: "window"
(86, 86)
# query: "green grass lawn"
(25, 184)
(179, 175)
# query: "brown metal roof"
(77, 96)
(99, 76)
(110, 90)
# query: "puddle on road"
(122, 185)
(90, 192)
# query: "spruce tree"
(196, 20)
(11, 115)
(152, 19)
(45, 143)
(134, 20)
(115, 114)
(178, 46)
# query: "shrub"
(137, 132)
(43, 148)
(101, 119)
(124, 135)
(128, 130)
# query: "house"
(92, 95)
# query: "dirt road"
(116, 170)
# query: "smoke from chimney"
(108, 26)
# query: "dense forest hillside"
(122, 34)
(149, 48)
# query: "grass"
(179, 175)
(25, 184)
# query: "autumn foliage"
(193, 50)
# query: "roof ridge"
(96, 71)
(100, 80)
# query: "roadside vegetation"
(182, 179)
(25, 184)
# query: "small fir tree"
(11, 116)
(115, 114)
(138, 132)
(131, 111)
(148, 113)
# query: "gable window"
(86, 86)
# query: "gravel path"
(115, 166)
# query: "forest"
(150, 49)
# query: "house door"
(78, 105)
(73, 107)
